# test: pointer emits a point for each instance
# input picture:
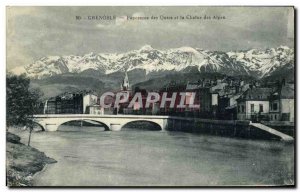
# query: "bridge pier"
(164, 124)
(51, 127)
(115, 127)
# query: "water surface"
(90, 156)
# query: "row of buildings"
(69, 103)
(226, 98)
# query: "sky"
(35, 32)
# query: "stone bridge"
(51, 122)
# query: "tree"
(21, 102)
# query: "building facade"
(70, 103)
(254, 104)
(282, 103)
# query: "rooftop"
(257, 94)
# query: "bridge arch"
(157, 126)
(39, 125)
(105, 125)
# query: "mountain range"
(253, 62)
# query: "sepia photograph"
(150, 96)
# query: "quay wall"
(226, 128)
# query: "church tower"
(125, 85)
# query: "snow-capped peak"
(146, 48)
(188, 50)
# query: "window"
(275, 117)
(275, 106)
(252, 108)
(261, 108)
(239, 108)
(243, 108)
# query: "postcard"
(150, 96)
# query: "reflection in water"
(93, 157)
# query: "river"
(90, 156)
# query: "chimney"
(237, 89)
(241, 83)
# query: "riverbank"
(22, 162)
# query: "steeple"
(125, 85)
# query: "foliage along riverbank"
(22, 161)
